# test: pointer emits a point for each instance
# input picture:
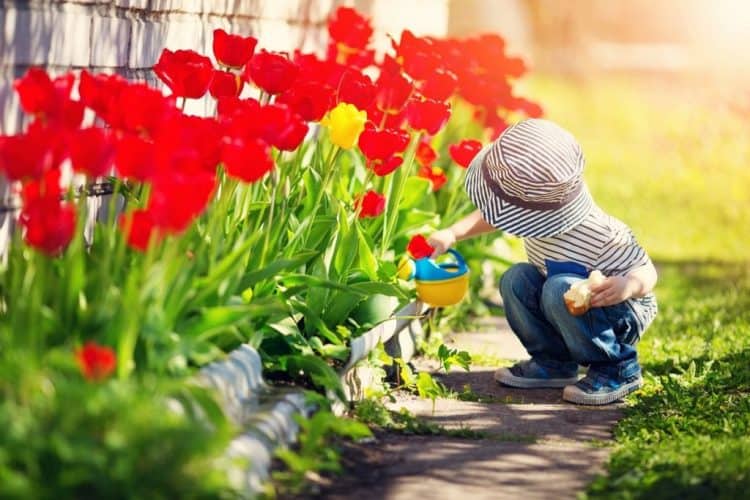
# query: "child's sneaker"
(599, 389)
(531, 374)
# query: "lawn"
(671, 162)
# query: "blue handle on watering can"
(427, 269)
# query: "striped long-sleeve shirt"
(599, 242)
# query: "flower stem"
(390, 215)
(271, 210)
(327, 176)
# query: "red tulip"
(92, 151)
(26, 155)
(351, 58)
(371, 204)
(393, 92)
(418, 55)
(100, 92)
(272, 72)
(487, 48)
(225, 84)
(170, 209)
(425, 156)
(357, 89)
(349, 28)
(514, 67)
(185, 72)
(140, 109)
(139, 228)
(135, 158)
(49, 224)
(309, 99)
(233, 50)
(485, 91)
(390, 65)
(420, 65)
(488, 52)
(49, 100)
(292, 135)
(435, 175)
(227, 107)
(279, 126)
(418, 247)
(381, 148)
(452, 54)
(46, 186)
(427, 115)
(248, 160)
(188, 144)
(382, 168)
(382, 144)
(313, 69)
(395, 120)
(440, 85)
(464, 151)
(36, 91)
(95, 361)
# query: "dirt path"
(527, 443)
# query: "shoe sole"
(573, 394)
(505, 377)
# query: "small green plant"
(316, 450)
(377, 415)
(468, 394)
(449, 357)
(423, 383)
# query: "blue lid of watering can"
(427, 269)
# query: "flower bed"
(274, 223)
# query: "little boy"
(528, 183)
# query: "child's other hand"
(441, 241)
(613, 290)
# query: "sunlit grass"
(669, 162)
(686, 433)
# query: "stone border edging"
(267, 414)
(384, 332)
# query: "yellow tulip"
(345, 122)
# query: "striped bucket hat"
(528, 182)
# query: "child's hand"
(441, 241)
(613, 290)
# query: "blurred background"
(657, 93)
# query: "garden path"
(526, 443)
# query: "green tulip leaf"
(214, 320)
(274, 268)
(417, 194)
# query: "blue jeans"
(602, 338)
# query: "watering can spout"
(406, 269)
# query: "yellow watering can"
(438, 284)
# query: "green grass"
(687, 434)
(671, 161)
